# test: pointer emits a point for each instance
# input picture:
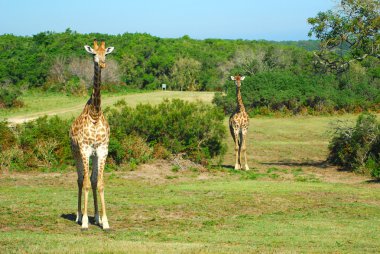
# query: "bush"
(357, 148)
(9, 97)
(131, 148)
(180, 127)
(8, 137)
(46, 143)
(291, 93)
(75, 86)
(137, 135)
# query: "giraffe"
(239, 122)
(89, 135)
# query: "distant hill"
(309, 45)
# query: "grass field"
(291, 201)
(192, 212)
(38, 104)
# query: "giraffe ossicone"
(89, 135)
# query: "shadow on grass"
(72, 217)
(317, 164)
(227, 166)
(373, 181)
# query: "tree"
(350, 33)
(185, 72)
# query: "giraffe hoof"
(79, 218)
(84, 229)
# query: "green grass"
(289, 202)
(38, 104)
(291, 141)
(216, 215)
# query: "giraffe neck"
(240, 105)
(96, 97)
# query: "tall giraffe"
(239, 122)
(89, 135)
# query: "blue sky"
(200, 19)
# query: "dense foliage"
(357, 148)
(348, 33)
(195, 129)
(280, 75)
(51, 60)
(9, 97)
(287, 92)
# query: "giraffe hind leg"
(244, 148)
(240, 147)
(102, 156)
(94, 183)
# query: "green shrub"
(11, 159)
(137, 135)
(9, 97)
(287, 92)
(131, 148)
(180, 127)
(357, 148)
(75, 86)
(46, 143)
(7, 137)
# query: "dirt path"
(131, 100)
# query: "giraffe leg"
(244, 148)
(80, 186)
(79, 165)
(240, 148)
(236, 138)
(86, 186)
(102, 156)
(94, 185)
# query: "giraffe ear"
(109, 50)
(232, 78)
(242, 78)
(89, 50)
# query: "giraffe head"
(99, 52)
(237, 79)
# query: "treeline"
(140, 60)
(280, 75)
(290, 93)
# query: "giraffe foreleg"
(102, 152)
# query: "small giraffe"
(239, 122)
(89, 135)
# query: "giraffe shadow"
(317, 164)
(228, 166)
(72, 217)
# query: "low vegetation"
(357, 147)
(10, 97)
(292, 93)
(195, 129)
(171, 127)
